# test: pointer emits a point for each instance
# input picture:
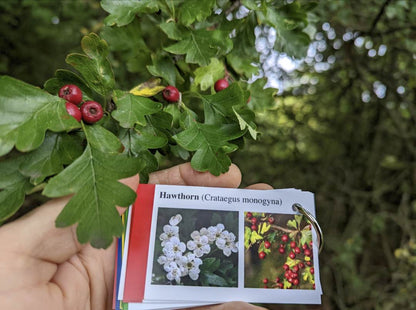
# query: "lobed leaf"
(122, 12)
(220, 106)
(93, 179)
(94, 66)
(132, 109)
(27, 113)
(13, 187)
(165, 68)
(201, 45)
(210, 143)
(206, 76)
(56, 151)
(195, 10)
(261, 98)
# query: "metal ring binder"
(298, 207)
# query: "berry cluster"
(255, 221)
(289, 247)
(298, 261)
(90, 111)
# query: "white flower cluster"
(179, 264)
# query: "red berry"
(280, 285)
(73, 110)
(304, 246)
(309, 263)
(71, 93)
(312, 270)
(277, 280)
(286, 267)
(295, 282)
(91, 111)
(301, 265)
(285, 238)
(221, 84)
(249, 215)
(254, 227)
(267, 244)
(262, 255)
(297, 250)
(293, 244)
(292, 255)
(171, 93)
(282, 250)
(253, 220)
(265, 280)
(271, 220)
(307, 252)
(295, 268)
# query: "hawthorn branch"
(234, 6)
(378, 17)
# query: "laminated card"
(192, 246)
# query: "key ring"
(298, 207)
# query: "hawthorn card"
(199, 245)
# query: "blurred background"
(343, 127)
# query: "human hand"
(44, 267)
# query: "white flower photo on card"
(196, 248)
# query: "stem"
(37, 188)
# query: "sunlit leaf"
(26, 113)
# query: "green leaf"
(247, 237)
(174, 31)
(13, 187)
(210, 143)
(210, 264)
(244, 53)
(195, 10)
(289, 38)
(26, 113)
(128, 38)
(164, 68)
(122, 12)
(208, 75)
(102, 139)
(215, 280)
(292, 224)
(202, 45)
(56, 151)
(63, 77)
(149, 137)
(261, 98)
(219, 107)
(306, 236)
(132, 109)
(264, 227)
(134, 148)
(255, 237)
(94, 66)
(93, 179)
(246, 120)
